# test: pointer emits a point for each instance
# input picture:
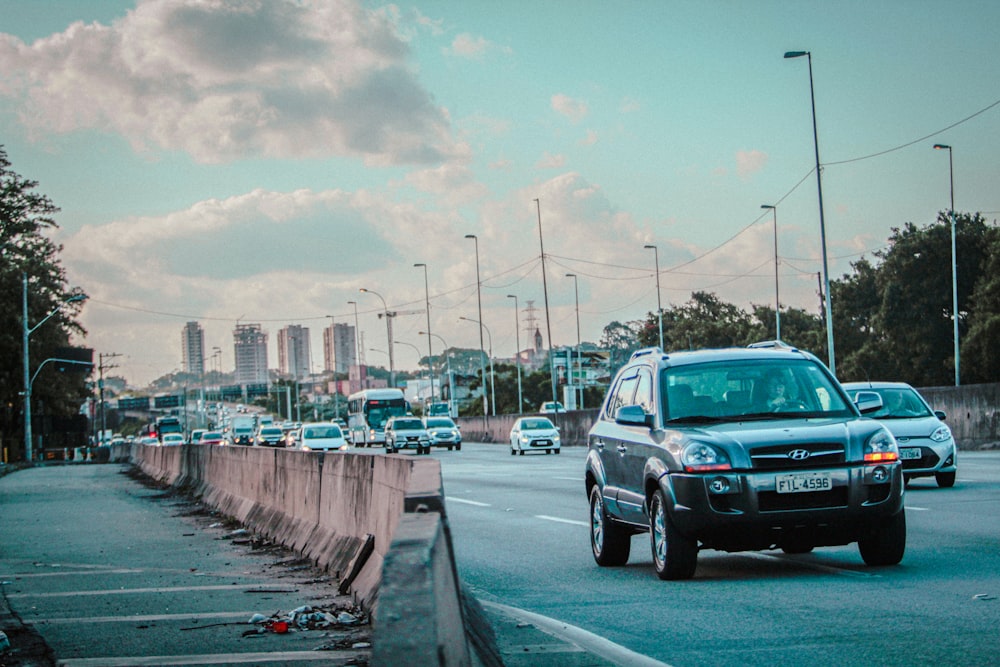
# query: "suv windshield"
(728, 389)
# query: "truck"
(241, 429)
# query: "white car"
(321, 437)
(443, 432)
(172, 440)
(534, 433)
(926, 445)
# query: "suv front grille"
(792, 456)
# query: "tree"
(980, 355)
(703, 322)
(25, 218)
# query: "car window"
(535, 424)
(735, 388)
(317, 432)
(644, 392)
(622, 394)
(900, 403)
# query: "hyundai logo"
(798, 454)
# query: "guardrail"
(375, 522)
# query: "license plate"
(804, 482)
(909, 453)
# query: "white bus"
(367, 412)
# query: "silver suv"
(737, 450)
(405, 432)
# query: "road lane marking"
(815, 566)
(588, 641)
(571, 522)
(919, 509)
(463, 501)
(166, 589)
(569, 479)
(143, 618)
(219, 659)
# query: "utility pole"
(100, 387)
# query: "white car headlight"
(941, 434)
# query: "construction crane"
(390, 315)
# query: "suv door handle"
(622, 449)
(599, 444)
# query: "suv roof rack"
(645, 352)
(772, 344)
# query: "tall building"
(193, 348)
(340, 348)
(293, 351)
(250, 349)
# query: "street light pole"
(26, 332)
(954, 258)
(479, 298)
(545, 291)
(493, 392)
(517, 357)
(427, 301)
(822, 222)
(578, 389)
(659, 308)
(777, 300)
(388, 335)
(451, 383)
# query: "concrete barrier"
(377, 523)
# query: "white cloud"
(224, 81)
(573, 109)
(550, 161)
(468, 46)
(590, 139)
(750, 162)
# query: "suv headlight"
(941, 434)
(699, 457)
(881, 448)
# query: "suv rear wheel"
(610, 542)
(886, 542)
(674, 556)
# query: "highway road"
(520, 530)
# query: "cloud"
(225, 81)
(590, 139)
(749, 162)
(550, 161)
(573, 109)
(467, 46)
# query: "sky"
(263, 161)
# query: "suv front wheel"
(674, 556)
(610, 542)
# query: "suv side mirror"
(868, 401)
(633, 415)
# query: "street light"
(357, 343)
(777, 301)
(388, 335)
(579, 361)
(479, 298)
(954, 257)
(822, 222)
(545, 292)
(659, 308)
(493, 393)
(417, 350)
(517, 357)
(451, 382)
(26, 332)
(427, 301)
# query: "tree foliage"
(26, 219)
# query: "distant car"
(196, 434)
(321, 436)
(406, 432)
(212, 438)
(270, 436)
(551, 408)
(148, 440)
(172, 439)
(534, 433)
(926, 445)
(443, 432)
